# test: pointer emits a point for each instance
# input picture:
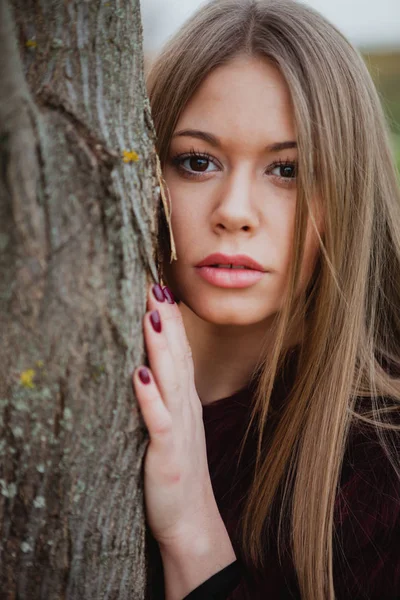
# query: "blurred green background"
(385, 71)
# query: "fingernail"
(144, 375)
(155, 320)
(158, 293)
(169, 295)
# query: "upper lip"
(236, 260)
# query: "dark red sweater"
(367, 510)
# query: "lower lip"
(230, 278)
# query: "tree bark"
(78, 191)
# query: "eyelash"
(178, 159)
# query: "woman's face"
(231, 173)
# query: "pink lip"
(230, 278)
(238, 260)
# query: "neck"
(224, 356)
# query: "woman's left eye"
(286, 170)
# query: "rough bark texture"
(77, 233)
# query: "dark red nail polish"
(158, 293)
(155, 320)
(169, 295)
(144, 375)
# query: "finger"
(155, 414)
(173, 328)
(164, 366)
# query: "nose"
(235, 207)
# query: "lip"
(230, 278)
(237, 259)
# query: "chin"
(233, 312)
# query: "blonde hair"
(351, 305)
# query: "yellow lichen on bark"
(130, 156)
(26, 378)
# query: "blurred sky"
(367, 23)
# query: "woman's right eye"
(194, 163)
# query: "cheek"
(311, 249)
(186, 223)
(282, 236)
(186, 209)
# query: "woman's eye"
(284, 170)
(195, 163)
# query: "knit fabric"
(366, 541)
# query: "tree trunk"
(78, 190)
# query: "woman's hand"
(178, 494)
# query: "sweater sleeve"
(220, 585)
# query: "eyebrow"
(214, 141)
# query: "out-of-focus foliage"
(397, 150)
(385, 71)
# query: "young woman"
(272, 396)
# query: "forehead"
(246, 97)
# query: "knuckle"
(172, 317)
(162, 343)
(177, 314)
(185, 358)
(184, 362)
(162, 429)
(170, 473)
(186, 355)
(175, 388)
(174, 477)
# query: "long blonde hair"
(352, 304)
